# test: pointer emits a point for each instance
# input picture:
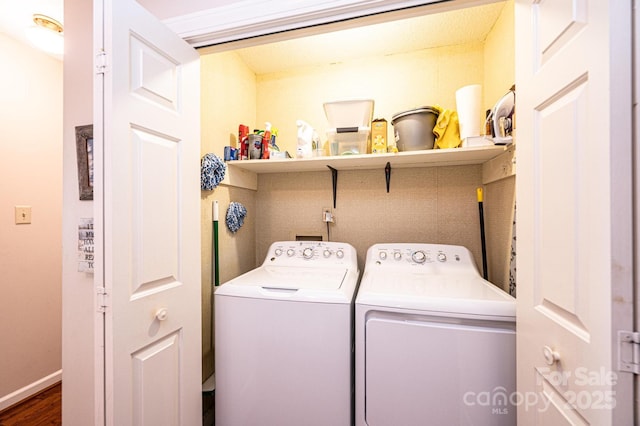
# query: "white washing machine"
(435, 343)
(284, 338)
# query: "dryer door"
(444, 370)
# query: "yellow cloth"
(447, 129)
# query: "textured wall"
(431, 205)
(498, 213)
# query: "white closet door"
(148, 219)
(573, 87)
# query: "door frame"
(636, 181)
(259, 22)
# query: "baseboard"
(30, 390)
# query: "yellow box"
(379, 136)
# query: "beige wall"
(396, 83)
(30, 254)
(435, 205)
(499, 57)
(228, 97)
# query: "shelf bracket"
(387, 174)
(334, 180)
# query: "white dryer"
(284, 338)
(435, 343)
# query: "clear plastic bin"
(349, 126)
(345, 143)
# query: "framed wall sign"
(84, 149)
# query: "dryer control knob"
(418, 256)
(442, 257)
(278, 252)
(307, 253)
(339, 254)
(291, 252)
(326, 253)
(397, 255)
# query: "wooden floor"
(44, 408)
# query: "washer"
(284, 338)
(435, 343)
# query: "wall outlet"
(327, 215)
(23, 214)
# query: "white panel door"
(147, 219)
(574, 180)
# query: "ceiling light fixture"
(46, 34)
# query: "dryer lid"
(466, 294)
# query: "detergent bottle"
(305, 139)
(266, 140)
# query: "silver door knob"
(550, 356)
(162, 314)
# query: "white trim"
(621, 166)
(30, 390)
(253, 18)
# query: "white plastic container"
(349, 126)
(469, 106)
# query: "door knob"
(162, 314)
(550, 356)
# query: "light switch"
(23, 214)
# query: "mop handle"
(216, 272)
(485, 275)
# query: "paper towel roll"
(468, 105)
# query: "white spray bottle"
(305, 139)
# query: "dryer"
(284, 338)
(435, 343)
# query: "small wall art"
(84, 150)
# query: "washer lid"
(293, 283)
(465, 294)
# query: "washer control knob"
(339, 254)
(418, 256)
(442, 257)
(397, 255)
(326, 253)
(382, 255)
(291, 252)
(278, 252)
(307, 253)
